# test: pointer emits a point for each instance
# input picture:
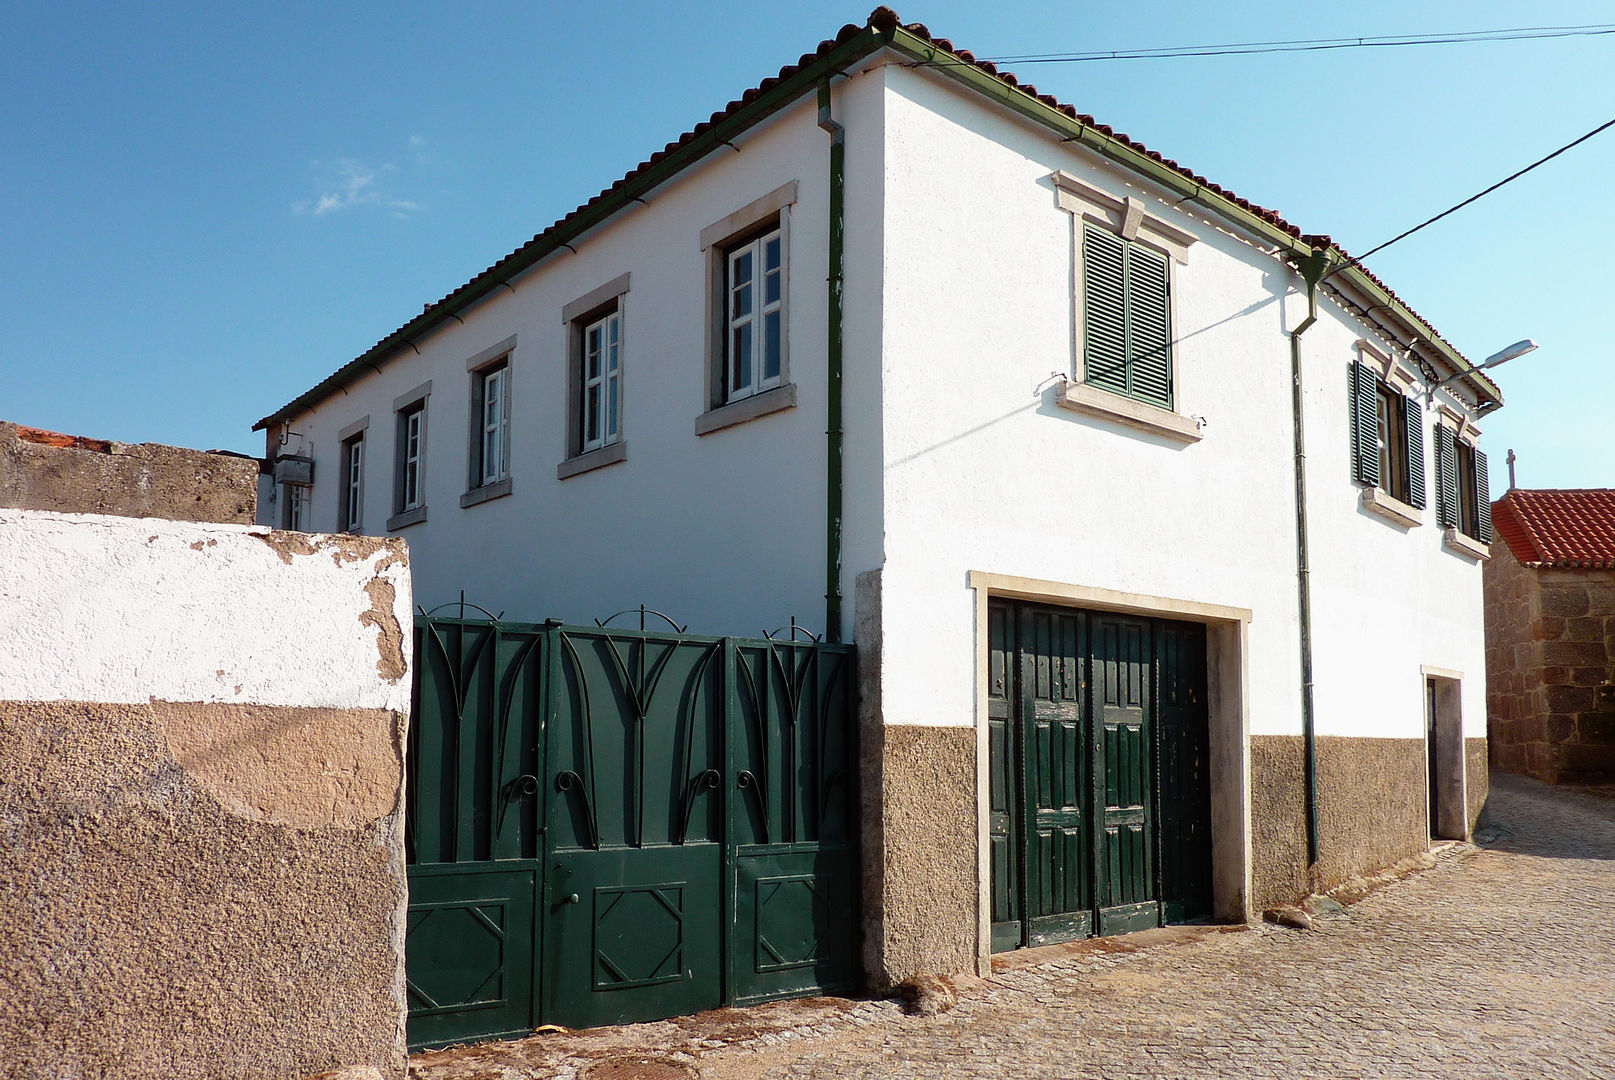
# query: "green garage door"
(1100, 801)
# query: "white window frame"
(413, 425)
(296, 507)
(494, 423)
(754, 320)
(353, 482)
(605, 412)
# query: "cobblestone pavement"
(1498, 962)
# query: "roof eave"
(621, 196)
(1073, 130)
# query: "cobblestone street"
(1498, 962)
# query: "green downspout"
(1312, 271)
(832, 511)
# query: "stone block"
(1590, 676)
(1552, 675)
(1574, 653)
(1567, 699)
(1584, 628)
(1547, 628)
(1566, 602)
(1559, 727)
(1596, 728)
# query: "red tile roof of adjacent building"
(882, 28)
(1564, 529)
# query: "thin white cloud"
(346, 183)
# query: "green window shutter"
(1483, 498)
(1104, 309)
(1447, 476)
(1364, 424)
(1415, 429)
(1149, 336)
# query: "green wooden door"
(1122, 673)
(1004, 810)
(1099, 812)
(1058, 895)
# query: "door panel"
(633, 934)
(1058, 895)
(1122, 670)
(1003, 811)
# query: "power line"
(1459, 206)
(1253, 48)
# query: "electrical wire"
(1605, 126)
(1252, 48)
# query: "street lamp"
(1519, 348)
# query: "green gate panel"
(608, 825)
(470, 952)
(796, 884)
(633, 934)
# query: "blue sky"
(205, 209)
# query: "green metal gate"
(611, 825)
(1099, 815)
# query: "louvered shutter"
(1149, 338)
(1447, 477)
(1415, 430)
(1364, 424)
(1104, 306)
(1483, 498)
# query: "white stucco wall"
(725, 531)
(182, 612)
(983, 471)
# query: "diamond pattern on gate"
(462, 955)
(638, 936)
(790, 914)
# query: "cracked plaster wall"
(201, 862)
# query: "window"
(295, 514)
(491, 447)
(597, 349)
(748, 370)
(1387, 433)
(352, 513)
(409, 457)
(411, 433)
(754, 315)
(1464, 502)
(1126, 323)
(602, 382)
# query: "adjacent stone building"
(1550, 635)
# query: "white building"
(1063, 534)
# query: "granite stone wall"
(1550, 670)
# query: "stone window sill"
(1391, 509)
(1082, 398)
(594, 459)
(496, 490)
(406, 519)
(776, 400)
(1466, 545)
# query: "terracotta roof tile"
(1565, 529)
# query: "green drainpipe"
(1312, 271)
(832, 511)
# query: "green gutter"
(1074, 131)
(833, 432)
(634, 188)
